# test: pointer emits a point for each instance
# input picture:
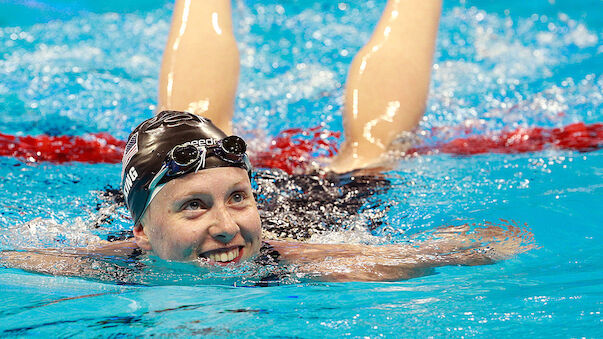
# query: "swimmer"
(186, 178)
(187, 187)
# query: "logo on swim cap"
(203, 142)
(173, 119)
(129, 152)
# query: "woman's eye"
(193, 205)
(237, 197)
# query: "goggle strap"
(202, 156)
(158, 177)
(247, 163)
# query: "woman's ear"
(141, 238)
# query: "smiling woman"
(187, 186)
(209, 215)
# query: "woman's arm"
(200, 67)
(67, 262)
(460, 245)
(447, 246)
(388, 82)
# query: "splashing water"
(502, 71)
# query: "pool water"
(75, 68)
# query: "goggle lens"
(185, 155)
(234, 145)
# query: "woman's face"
(210, 215)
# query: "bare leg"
(388, 82)
(200, 68)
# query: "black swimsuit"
(298, 206)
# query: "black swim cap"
(156, 142)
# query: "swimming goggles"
(191, 155)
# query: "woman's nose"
(224, 228)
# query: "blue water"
(70, 67)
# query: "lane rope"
(294, 149)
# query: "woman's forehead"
(207, 181)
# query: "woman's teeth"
(224, 256)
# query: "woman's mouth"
(224, 255)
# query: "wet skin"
(210, 215)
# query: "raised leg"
(388, 81)
(200, 67)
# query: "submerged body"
(124, 262)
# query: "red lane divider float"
(92, 148)
(294, 149)
(577, 136)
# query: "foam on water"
(59, 76)
(103, 68)
(494, 70)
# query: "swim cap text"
(130, 177)
(203, 142)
